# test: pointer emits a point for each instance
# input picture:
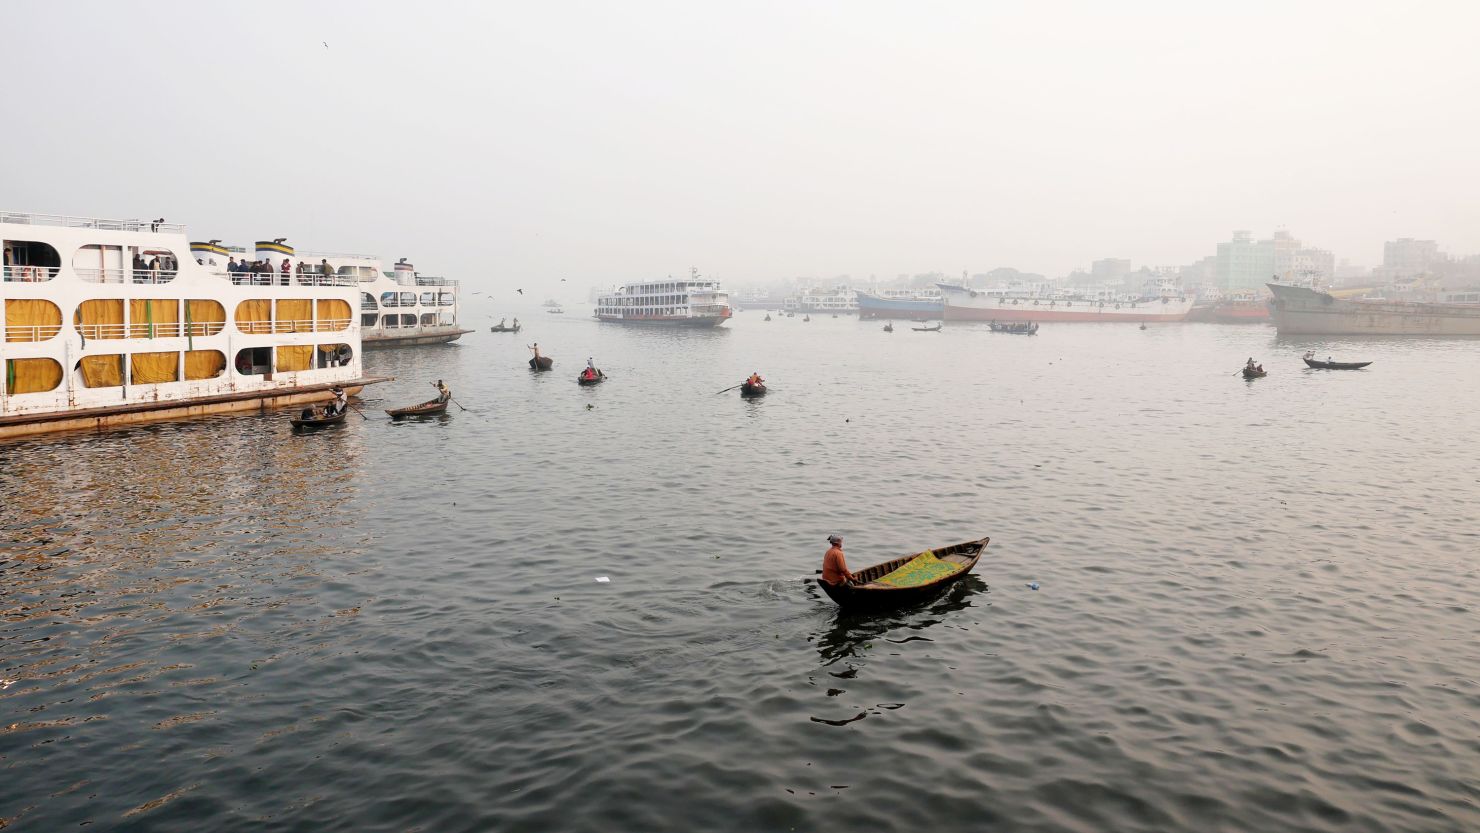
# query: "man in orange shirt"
(834, 568)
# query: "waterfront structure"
(1162, 300)
(1244, 264)
(111, 322)
(1299, 310)
(909, 304)
(695, 302)
(1409, 258)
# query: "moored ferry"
(912, 304)
(114, 322)
(695, 302)
(401, 307)
(1162, 302)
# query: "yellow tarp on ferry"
(292, 357)
(102, 371)
(100, 318)
(333, 314)
(154, 318)
(31, 319)
(153, 368)
(204, 364)
(295, 315)
(31, 375)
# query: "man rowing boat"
(834, 567)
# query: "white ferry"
(695, 302)
(113, 322)
(838, 299)
(401, 307)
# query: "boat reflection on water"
(849, 631)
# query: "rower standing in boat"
(590, 373)
(444, 393)
(834, 567)
(340, 402)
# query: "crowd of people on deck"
(263, 273)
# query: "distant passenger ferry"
(693, 303)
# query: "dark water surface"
(1257, 606)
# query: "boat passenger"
(755, 379)
(287, 269)
(834, 567)
(1250, 364)
(516, 323)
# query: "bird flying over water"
(326, 44)
(520, 291)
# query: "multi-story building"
(1246, 264)
(1406, 257)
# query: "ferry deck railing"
(120, 275)
(287, 279)
(323, 325)
(65, 221)
(139, 329)
(31, 332)
(29, 274)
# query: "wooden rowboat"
(315, 419)
(748, 389)
(431, 408)
(934, 329)
(544, 363)
(868, 592)
(1254, 374)
(1319, 365)
(500, 328)
(596, 380)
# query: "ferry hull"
(709, 321)
(966, 305)
(870, 306)
(412, 339)
(96, 419)
(1300, 311)
(1240, 312)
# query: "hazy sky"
(523, 142)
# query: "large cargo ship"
(1300, 311)
(909, 304)
(695, 302)
(114, 322)
(963, 304)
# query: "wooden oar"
(358, 411)
(726, 390)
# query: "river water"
(1255, 603)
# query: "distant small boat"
(1143, 325)
(806, 318)
(888, 328)
(544, 363)
(583, 381)
(1254, 374)
(310, 418)
(431, 408)
(791, 315)
(934, 329)
(768, 316)
(1320, 365)
(900, 582)
(748, 390)
(499, 328)
(556, 311)
(1017, 328)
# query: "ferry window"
(31, 319)
(254, 316)
(254, 361)
(445, 299)
(153, 265)
(204, 364)
(368, 319)
(204, 317)
(335, 355)
(428, 299)
(367, 301)
(333, 314)
(154, 368)
(389, 299)
(429, 319)
(408, 320)
(391, 320)
(367, 273)
(99, 264)
(28, 261)
(99, 318)
(32, 375)
(154, 318)
(294, 357)
(101, 371)
(408, 299)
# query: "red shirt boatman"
(834, 568)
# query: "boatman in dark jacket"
(834, 568)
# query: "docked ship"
(398, 308)
(1241, 308)
(836, 300)
(1297, 310)
(695, 302)
(908, 304)
(1160, 301)
(112, 322)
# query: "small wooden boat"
(1254, 374)
(314, 418)
(499, 328)
(1320, 365)
(934, 329)
(909, 580)
(541, 363)
(748, 389)
(594, 380)
(431, 408)
(806, 318)
(1020, 329)
(888, 328)
(768, 316)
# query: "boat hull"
(750, 391)
(1318, 365)
(413, 339)
(860, 597)
(586, 383)
(872, 306)
(671, 321)
(1300, 311)
(542, 363)
(969, 305)
(425, 409)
